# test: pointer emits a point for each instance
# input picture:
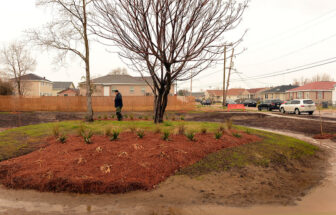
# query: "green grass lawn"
(272, 149)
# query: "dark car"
(270, 105)
(250, 103)
(228, 101)
(206, 102)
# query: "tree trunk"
(161, 101)
(87, 69)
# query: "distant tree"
(119, 71)
(183, 92)
(68, 33)
(168, 40)
(318, 77)
(17, 61)
(6, 88)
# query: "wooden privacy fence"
(99, 103)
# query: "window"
(320, 95)
(131, 90)
(300, 95)
(308, 102)
(307, 95)
(266, 96)
(295, 102)
(65, 94)
(143, 90)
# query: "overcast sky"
(282, 34)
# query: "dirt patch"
(324, 136)
(266, 121)
(110, 167)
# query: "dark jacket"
(118, 101)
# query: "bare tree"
(318, 77)
(17, 61)
(68, 33)
(119, 71)
(169, 40)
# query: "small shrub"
(166, 135)
(131, 117)
(204, 130)
(146, 117)
(99, 117)
(87, 136)
(218, 135)
(182, 118)
(62, 138)
(125, 116)
(173, 118)
(140, 133)
(115, 135)
(105, 116)
(107, 131)
(55, 130)
(181, 129)
(167, 117)
(229, 124)
(81, 130)
(190, 135)
(237, 135)
(140, 117)
(157, 130)
(132, 128)
(112, 116)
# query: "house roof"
(231, 92)
(71, 89)
(197, 94)
(119, 79)
(61, 85)
(255, 90)
(320, 86)
(32, 77)
(280, 89)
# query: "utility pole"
(230, 68)
(224, 75)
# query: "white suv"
(298, 106)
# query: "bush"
(146, 117)
(237, 135)
(173, 118)
(132, 117)
(190, 135)
(99, 117)
(166, 135)
(105, 116)
(229, 124)
(181, 129)
(62, 138)
(112, 116)
(125, 116)
(140, 133)
(115, 135)
(218, 135)
(6, 88)
(204, 130)
(87, 134)
(140, 117)
(182, 118)
(55, 130)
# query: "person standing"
(118, 104)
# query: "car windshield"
(309, 102)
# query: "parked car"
(206, 102)
(299, 106)
(229, 101)
(270, 105)
(250, 103)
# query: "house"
(59, 86)
(232, 94)
(321, 91)
(198, 95)
(256, 93)
(34, 85)
(126, 84)
(279, 92)
(68, 92)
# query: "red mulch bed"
(324, 136)
(120, 166)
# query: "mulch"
(105, 166)
(324, 136)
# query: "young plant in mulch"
(99, 117)
(80, 130)
(237, 135)
(166, 135)
(218, 135)
(131, 117)
(105, 116)
(114, 135)
(221, 128)
(87, 135)
(140, 133)
(181, 129)
(146, 117)
(107, 131)
(191, 135)
(112, 116)
(140, 117)
(55, 130)
(157, 130)
(125, 116)
(132, 128)
(62, 138)
(182, 118)
(204, 130)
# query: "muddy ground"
(261, 120)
